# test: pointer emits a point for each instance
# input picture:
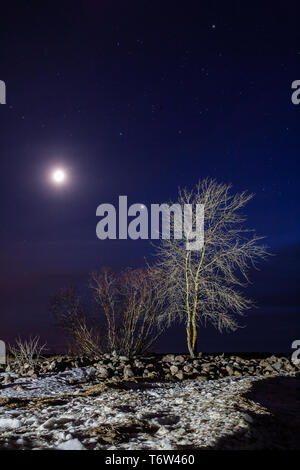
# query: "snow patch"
(9, 423)
(72, 444)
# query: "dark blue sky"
(138, 98)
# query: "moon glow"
(59, 176)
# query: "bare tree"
(131, 305)
(71, 317)
(86, 339)
(203, 285)
(140, 325)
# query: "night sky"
(138, 98)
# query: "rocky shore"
(153, 402)
(170, 367)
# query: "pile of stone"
(160, 367)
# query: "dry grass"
(27, 351)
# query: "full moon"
(58, 176)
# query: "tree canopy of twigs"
(132, 306)
(71, 316)
(204, 285)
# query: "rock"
(31, 373)
(90, 372)
(102, 372)
(237, 373)
(229, 370)
(179, 359)
(272, 359)
(52, 365)
(128, 373)
(7, 379)
(179, 375)
(110, 365)
(268, 368)
(277, 365)
(289, 367)
(168, 358)
(19, 388)
(123, 359)
(237, 359)
(139, 364)
(174, 370)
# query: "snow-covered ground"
(182, 415)
(48, 384)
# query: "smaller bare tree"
(27, 351)
(71, 317)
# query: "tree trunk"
(195, 345)
(189, 339)
(195, 335)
